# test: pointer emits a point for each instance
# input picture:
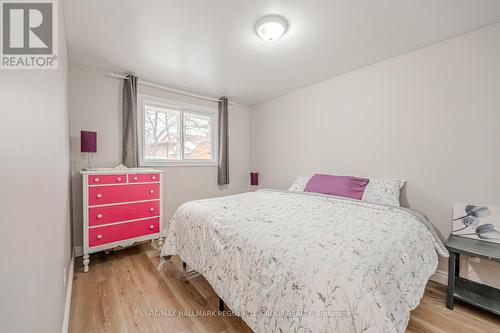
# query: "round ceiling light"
(271, 28)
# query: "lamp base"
(89, 167)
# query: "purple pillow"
(342, 186)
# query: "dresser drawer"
(143, 177)
(117, 213)
(116, 232)
(103, 195)
(106, 179)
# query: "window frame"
(181, 107)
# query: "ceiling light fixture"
(270, 28)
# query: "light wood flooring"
(123, 292)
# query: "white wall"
(34, 196)
(95, 104)
(431, 117)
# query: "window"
(174, 133)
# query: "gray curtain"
(223, 158)
(130, 146)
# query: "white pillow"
(299, 184)
(383, 191)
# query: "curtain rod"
(159, 86)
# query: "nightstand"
(477, 294)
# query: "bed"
(303, 262)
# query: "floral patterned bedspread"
(292, 262)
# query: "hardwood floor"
(123, 292)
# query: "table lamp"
(88, 144)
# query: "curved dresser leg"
(86, 262)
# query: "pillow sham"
(299, 184)
(342, 186)
(383, 191)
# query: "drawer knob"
(99, 195)
(151, 226)
(153, 178)
(99, 236)
(99, 216)
(135, 178)
(151, 191)
(151, 209)
(119, 179)
(96, 180)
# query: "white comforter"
(292, 262)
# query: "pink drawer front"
(116, 213)
(107, 179)
(117, 232)
(103, 195)
(143, 177)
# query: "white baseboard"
(69, 290)
(78, 251)
(440, 277)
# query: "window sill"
(179, 164)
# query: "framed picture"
(477, 221)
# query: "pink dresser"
(120, 208)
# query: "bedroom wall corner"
(35, 196)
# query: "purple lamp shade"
(254, 178)
(88, 142)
